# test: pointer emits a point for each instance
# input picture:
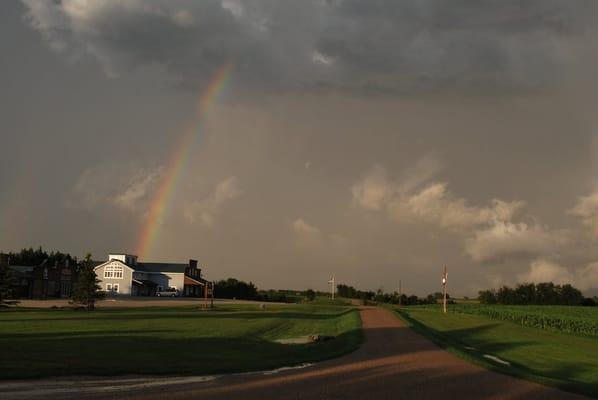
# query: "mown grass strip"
(564, 361)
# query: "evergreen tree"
(87, 289)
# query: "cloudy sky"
(374, 140)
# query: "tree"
(526, 293)
(487, 296)
(33, 257)
(86, 289)
(506, 295)
(5, 282)
(546, 293)
(234, 288)
(570, 296)
(310, 295)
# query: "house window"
(112, 288)
(113, 272)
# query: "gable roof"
(160, 267)
(101, 264)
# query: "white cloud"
(587, 209)
(541, 270)
(137, 191)
(125, 186)
(546, 271)
(434, 204)
(183, 18)
(309, 236)
(306, 235)
(206, 210)
(374, 191)
(423, 171)
(511, 240)
(321, 58)
(489, 232)
(302, 228)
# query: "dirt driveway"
(393, 363)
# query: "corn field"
(565, 319)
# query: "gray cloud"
(377, 45)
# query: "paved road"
(393, 363)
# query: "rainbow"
(176, 166)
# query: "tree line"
(232, 288)
(380, 296)
(546, 293)
(33, 257)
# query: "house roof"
(160, 267)
(194, 282)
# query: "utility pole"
(444, 277)
(331, 281)
(205, 295)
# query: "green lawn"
(179, 340)
(566, 361)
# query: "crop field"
(506, 339)
(170, 340)
(564, 319)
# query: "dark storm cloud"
(410, 45)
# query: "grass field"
(178, 340)
(569, 362)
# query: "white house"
(122, 274)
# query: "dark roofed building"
(43, 280)
(122, 274)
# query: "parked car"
(169, 292)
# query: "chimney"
(193, 264)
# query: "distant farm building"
(122, 274)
